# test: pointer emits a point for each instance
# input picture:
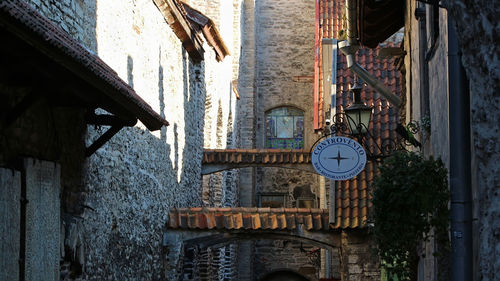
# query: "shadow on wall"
(194, 114)
(130, 71)
(161, 97)
(132, 182)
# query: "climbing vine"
(410, 205)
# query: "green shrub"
(410, 198)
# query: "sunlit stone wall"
(133, 180)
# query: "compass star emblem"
(350, 156)
(338, 158)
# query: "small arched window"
(285, 128)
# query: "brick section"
(249, 218)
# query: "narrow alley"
(252, 140)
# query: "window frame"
(271, 135)
(272, 194)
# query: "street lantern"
(358, 114)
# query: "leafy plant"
(342, 33)
(425, 123)
(410, 198)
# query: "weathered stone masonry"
(132, 181)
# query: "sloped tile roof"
(20, 19)
(256, 156)
(379, 20)
(353, 196)
(249, 218)
(209, 30)
(175, 15)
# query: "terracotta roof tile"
(353, 197)
(253, 156)
(24, 21)
(250, 218)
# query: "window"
(272, 200)
(306, 203)
(285, 128)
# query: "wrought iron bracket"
(376, 148)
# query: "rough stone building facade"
(114, 202)
(451, 63)
(284, 48)
(434, 31)
(278, 48)
(225, 75)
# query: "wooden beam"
(19, 109)
(109, 120)
(175, 18)
(102, 140)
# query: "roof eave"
(20, 19)
(377, 21)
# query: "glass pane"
(298, 143)
(277, 111)
(273, 201)
(306, 203)
(284, 127)
(291, 143)
(270, 126)
(298, 127)
(294, 111)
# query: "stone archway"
(283, 275)
(181, 243)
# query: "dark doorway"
(284, 275)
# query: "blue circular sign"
(338, 158)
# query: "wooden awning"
(36, 50)
(378, 20)
(37, 53)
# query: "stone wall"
(77, 17)
(247, 104)
(356, 256)
(279, 45)
(132, 181)
(210, 263)
(273, 255)
(435, 59)
(478, 35)
(284, 49)
(221, 112)
(427, 95)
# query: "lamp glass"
(359, 116)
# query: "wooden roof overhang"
(216, 160)
(37, 53)
(209, 30)
(176, 16)
(378, 20)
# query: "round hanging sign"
(338, 158)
